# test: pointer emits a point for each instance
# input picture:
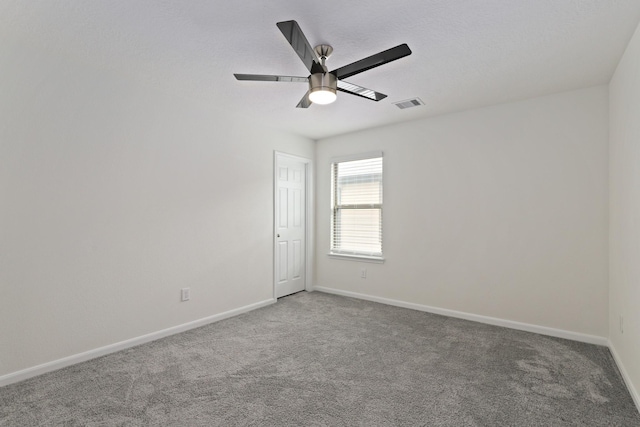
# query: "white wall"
(624, 226)
(499, 212)
(113, 196)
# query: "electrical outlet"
(185, 294)
(621, 324)
(363, 273)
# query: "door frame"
(308, 221)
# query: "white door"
(290, 225)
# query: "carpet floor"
(315, 359)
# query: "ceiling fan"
(323, 83)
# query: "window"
(356, 218)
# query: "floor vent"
(409, 103)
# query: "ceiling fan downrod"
(323, 51)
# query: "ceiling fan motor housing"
(325, 83)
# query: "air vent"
(409, 103)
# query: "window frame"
(346, 254)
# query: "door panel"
(297, 212)
(283, 202)
(283, 258)
(290, 215)
(297, 259)
(283, 173)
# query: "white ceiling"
(466, 53)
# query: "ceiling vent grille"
(409, 103)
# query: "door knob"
(278, 235)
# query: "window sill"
(361, 258)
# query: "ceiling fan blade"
(372, 61)
(294, 35)
(360, 91)
(305, 102)
(269, 78)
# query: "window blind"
(357, 207)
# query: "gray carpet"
(315, 359)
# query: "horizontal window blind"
(357, 207)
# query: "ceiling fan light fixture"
(322, 88)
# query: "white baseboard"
(112, 348)
(543, 330)
(15, 377)
(627, 379)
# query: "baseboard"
(543, 330)
(24, 374)
(625, 376)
